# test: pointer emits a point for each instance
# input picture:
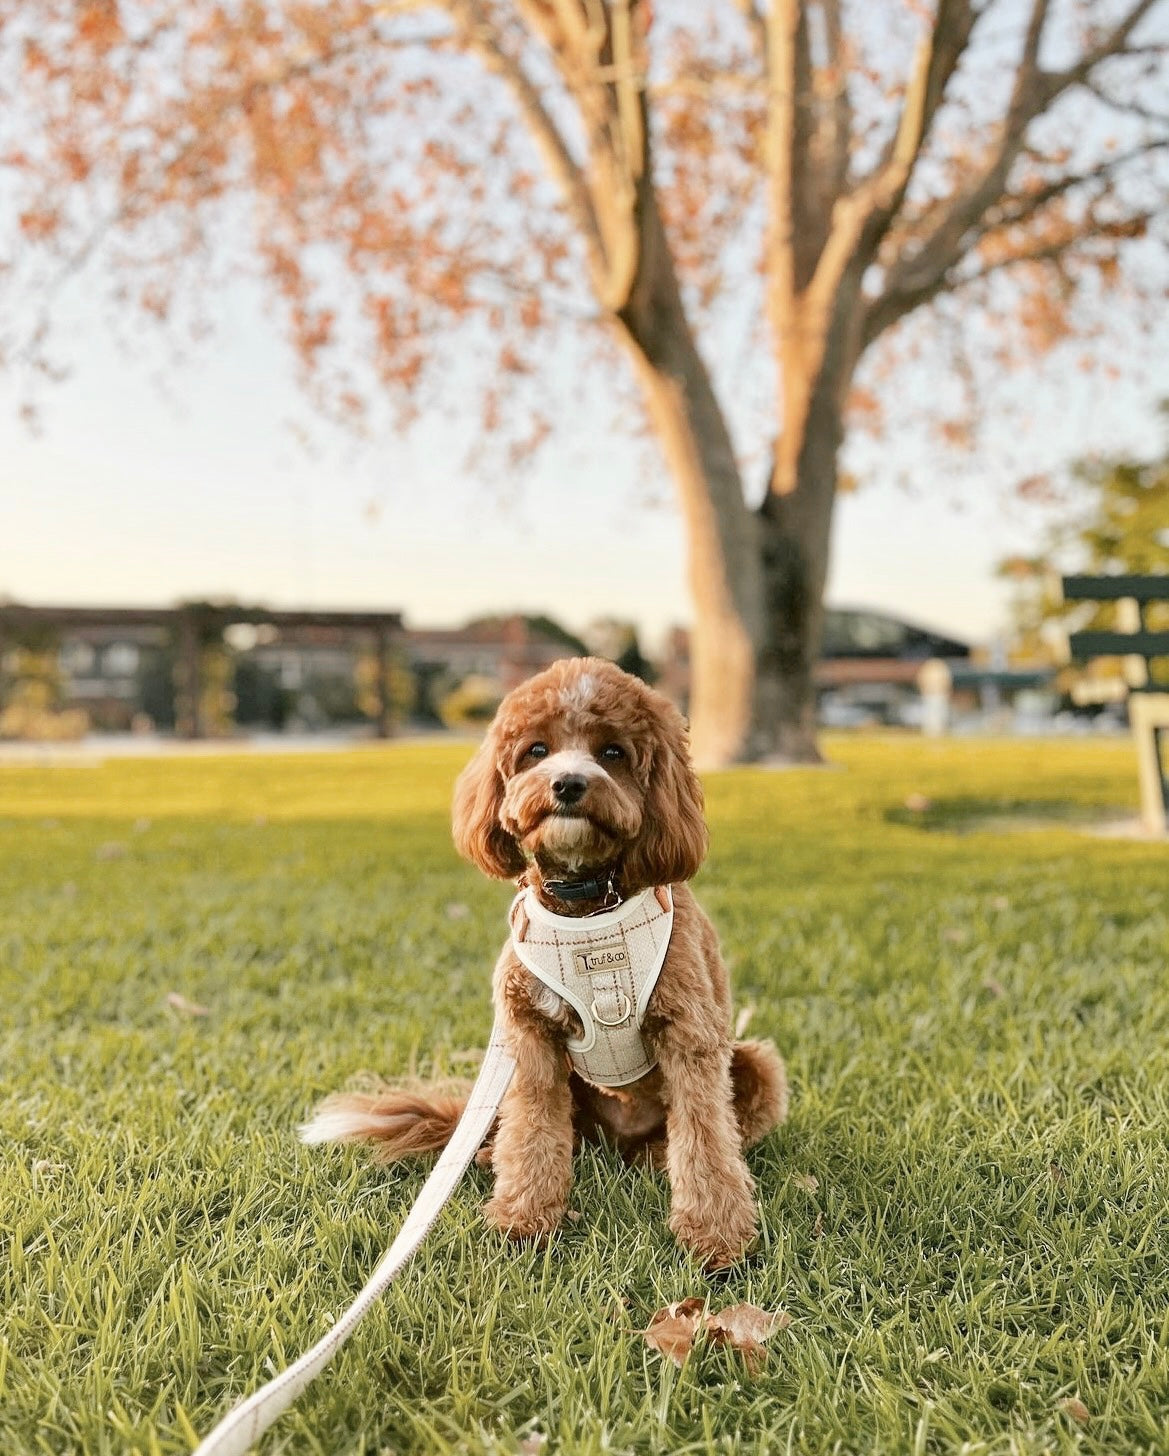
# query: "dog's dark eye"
(537, 750)
(612, 752)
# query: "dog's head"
(584, 768)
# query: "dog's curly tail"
(395, 1124)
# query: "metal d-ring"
(622, 1001)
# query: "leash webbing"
(243, 1426)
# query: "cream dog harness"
(605, 966)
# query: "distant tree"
(619, 641)
(549, 627)
(419, 175)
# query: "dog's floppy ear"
(673, 839)
(479, 836)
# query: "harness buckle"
(624, 1006)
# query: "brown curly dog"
(583, 789)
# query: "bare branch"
(1120, 229)
(915, 274)
(1125, 108)
(1114, 43)
(841, 112)
(483, 38)
(756, 26)
(920, 276)
(937, 60)
(597, 54)
(1017, 208)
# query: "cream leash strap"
(242, 1427)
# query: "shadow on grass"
(969, 814)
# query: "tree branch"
(1125, 108)
(756, 27)
(1115, 43)
(841, 111)
(483, 38)
(597, 54)
(1021, 207)
(918, 277)
(1050, 252)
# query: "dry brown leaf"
(818, 1226)
(671, 1331)
(742, 1327)
(1076, 1408)
(745, 1327)
(178, 1002)
(807, 1181)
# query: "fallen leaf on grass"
(743, 1020)
(743, 1327)
(1076, 1408)
(818, 1226)
(672, 1330)
(179, 1003)
(807, 1181)
(44, 1168)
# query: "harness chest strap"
(605, 967)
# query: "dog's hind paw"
(523, 1221)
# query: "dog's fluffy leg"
(395, 1124)
(712, 1194)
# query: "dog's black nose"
(569, 788)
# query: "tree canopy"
(433, 192)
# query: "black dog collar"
(597, 887)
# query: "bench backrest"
(1143, 590)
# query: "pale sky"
(135, 494)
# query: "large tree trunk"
(722, 534)
(795, 532)
(756, 577)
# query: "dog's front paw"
(720, 1242)
(523, 1219)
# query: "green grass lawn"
(966, 1216)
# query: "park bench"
(1148, 706)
